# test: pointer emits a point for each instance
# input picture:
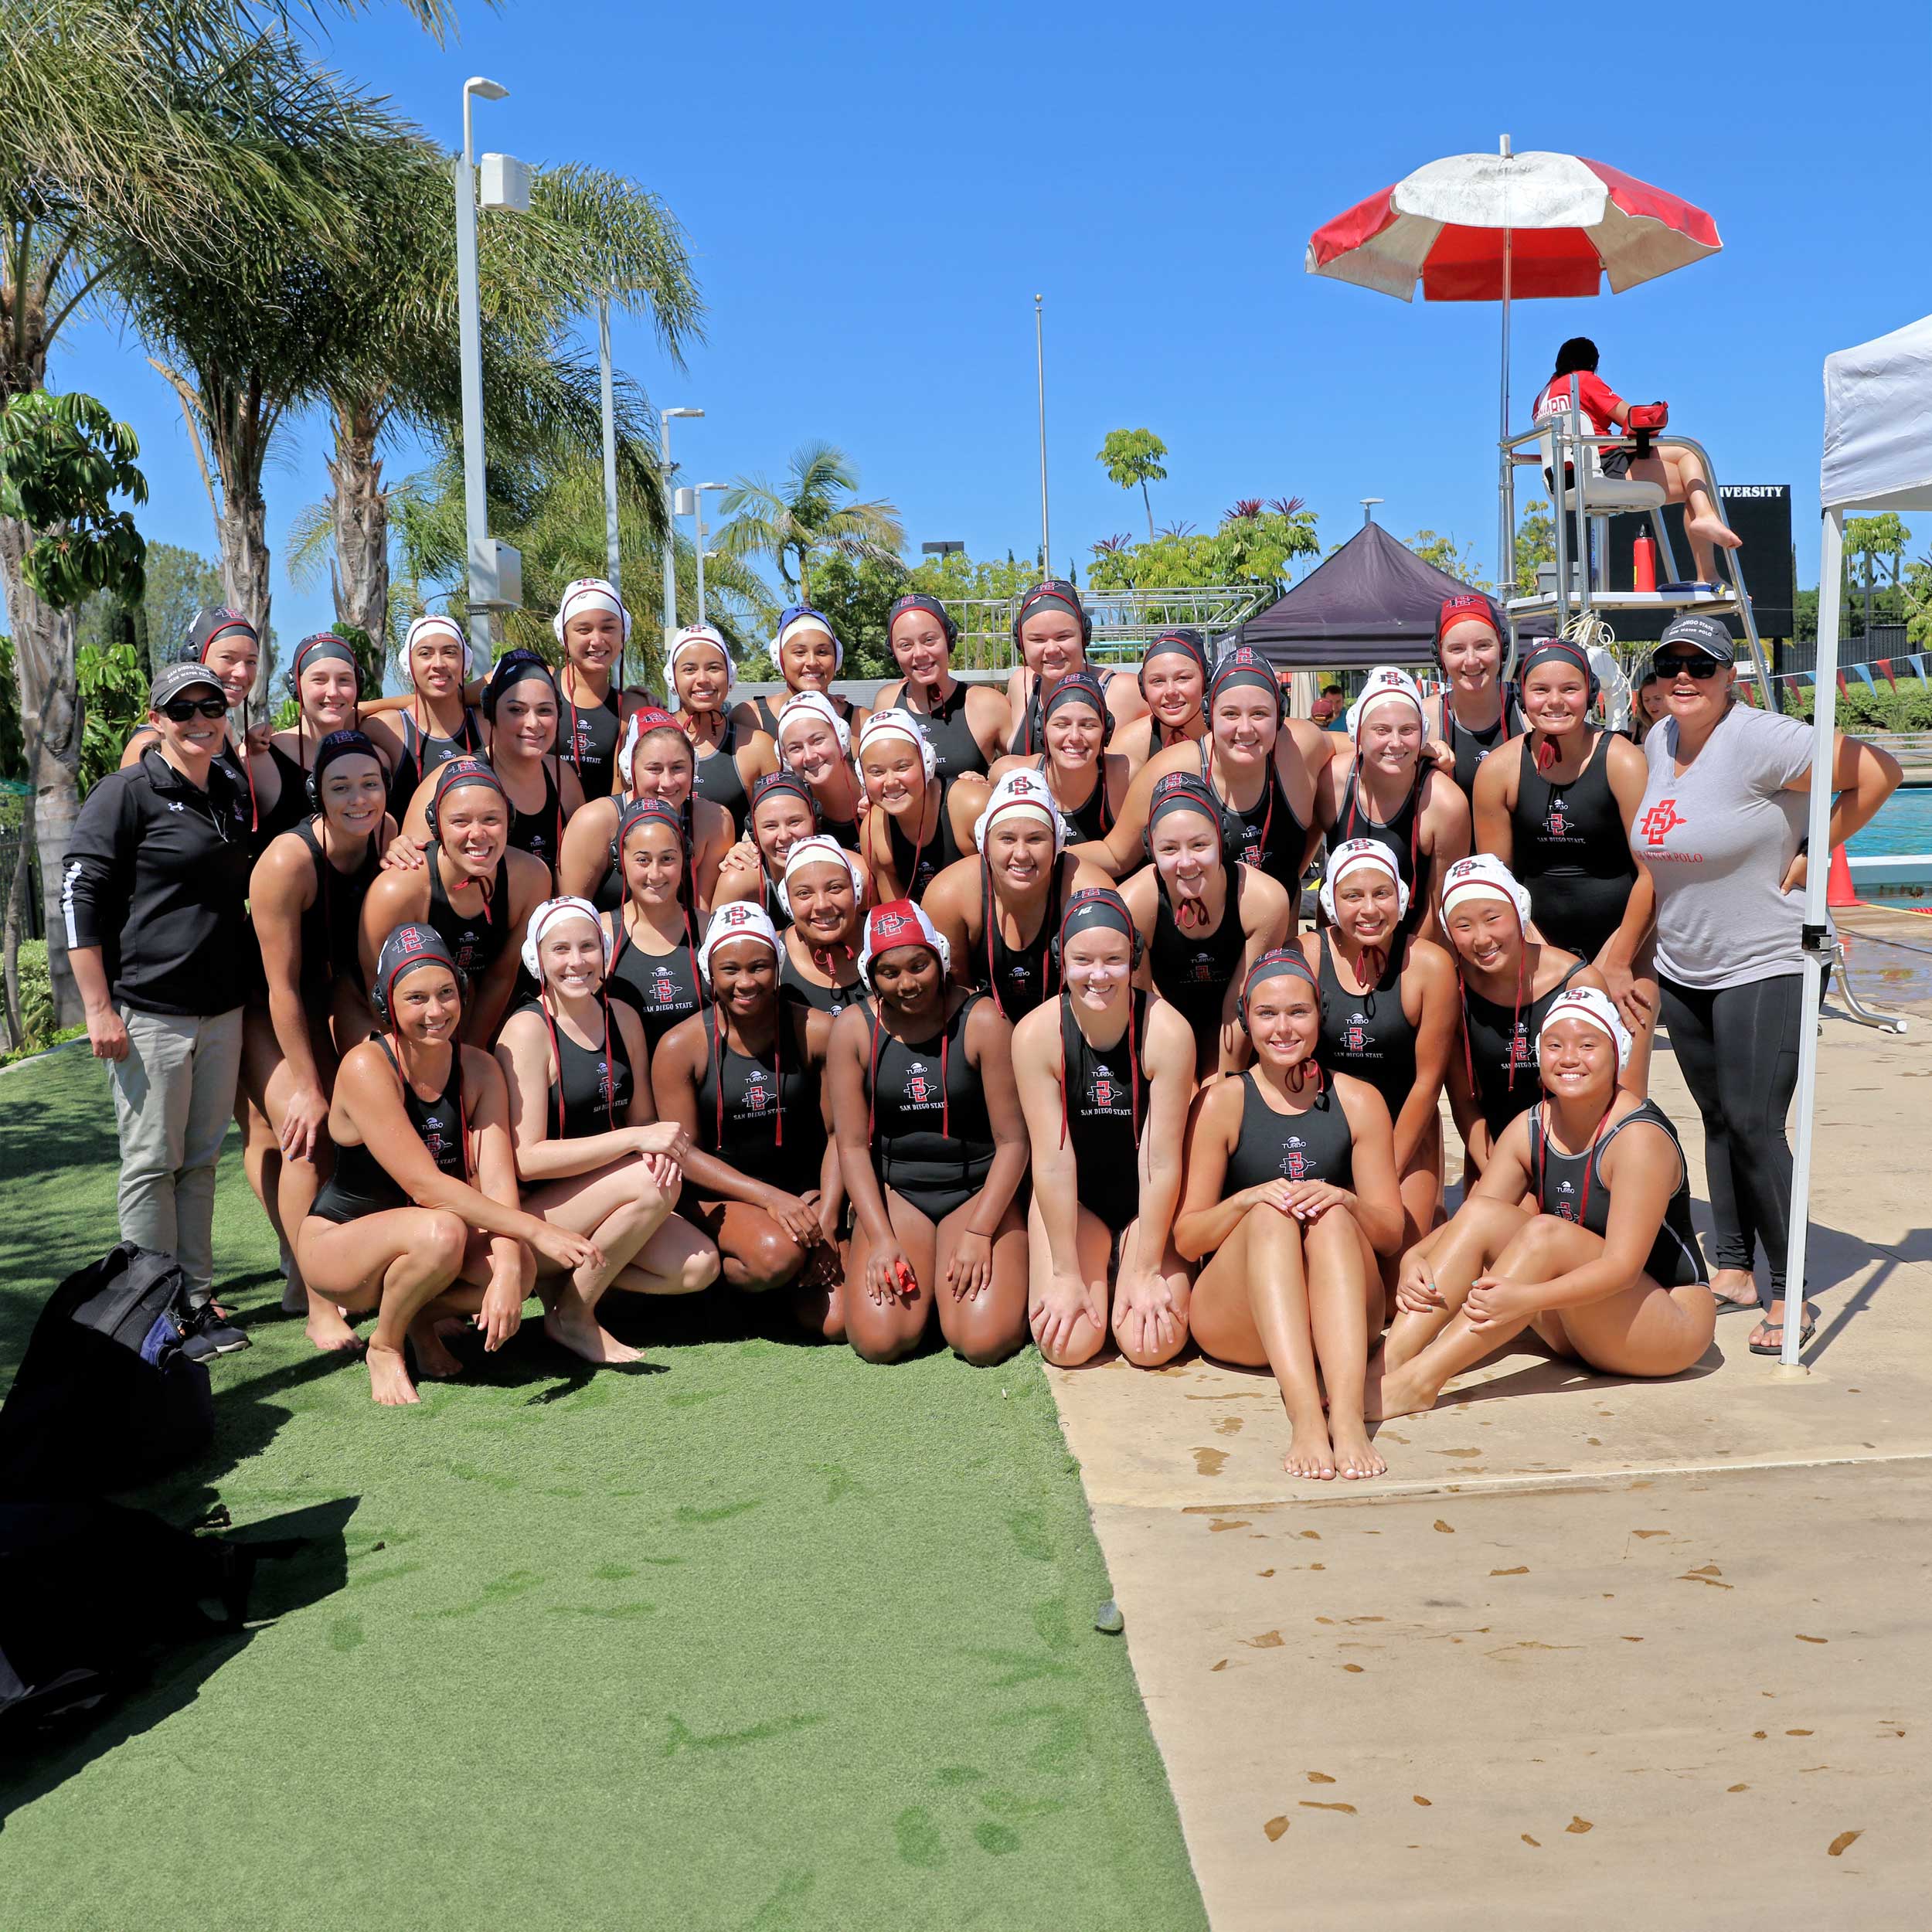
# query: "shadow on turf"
(318, 1569)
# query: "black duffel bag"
(106, 1399)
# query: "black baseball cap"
(1708, 634)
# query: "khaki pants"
(174, 1096)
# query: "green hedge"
(1881, 709)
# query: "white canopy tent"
(1878, 457)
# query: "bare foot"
(327, 1329)
(1354, 1454)
(1394, 1392)
(1713, 529)
(432, 1359)
(1309, 1454)
(587, 1337)
(389, 1377)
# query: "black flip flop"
(1777, 1347)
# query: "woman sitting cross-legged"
(933, 1149)
(745, 1079)
(1105, 1073)
(591, 1152)
(420, 1220)
(1601, 1260)
(1291, 1195)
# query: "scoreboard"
(1761, 513)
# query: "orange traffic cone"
(1838, 890)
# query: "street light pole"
(670, 522)
(1039, 356)
(470, 354)
(613, 561)
(697, 503)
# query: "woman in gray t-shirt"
(1720, 830)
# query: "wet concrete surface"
(1536, 1521)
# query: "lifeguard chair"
(1571, 455)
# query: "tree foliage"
(1258, 548)
(1445, 553)
(1535, 543)
(1132, 457)
(815, 512)
(63, 461)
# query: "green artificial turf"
(764, 1637)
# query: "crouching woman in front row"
(1580, 1229)
(933, 1148)
(419, 1220)
(590, 1150)
(1106, 1072)
(1307, 1165)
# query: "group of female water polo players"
(994, 1009)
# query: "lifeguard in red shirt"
(1680, 471)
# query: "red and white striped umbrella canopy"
(1570, 222)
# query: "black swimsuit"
(588, 738)
(361, 1185)
(1019, 977)
(1571, 1186)
(1369, 1034)
(332, 926)
(770, 1128)
(768, 718)
(1091, 820)
(1571, 852)
(720, 779)
(1099, 1099)
(593, 1087)
(1504, 1063)
(1315, 1144)
(663, 987)
(1469, 745)
(540, 833)
(795, 990)
(423, 754)
(932, 1138)
(292, 807)
(955, 750)
(1401, 835)
(918, 866)
(474, 941)
(1192, 972)
(1272, 838)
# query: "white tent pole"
(1505, 563)
(1817, 875)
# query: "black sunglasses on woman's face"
(1699, 667)
(180, 710)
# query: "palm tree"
(133, 134)
(813, 513)
(586, 230)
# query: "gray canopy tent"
(1373, 602)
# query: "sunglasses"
(180, 710)
(1699, 667)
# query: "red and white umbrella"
(1488, 228)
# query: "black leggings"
(1738, 1049)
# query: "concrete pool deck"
(1597, 1648)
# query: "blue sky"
(873, 195)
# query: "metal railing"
(1123, 621)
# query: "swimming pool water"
(1904, 824)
